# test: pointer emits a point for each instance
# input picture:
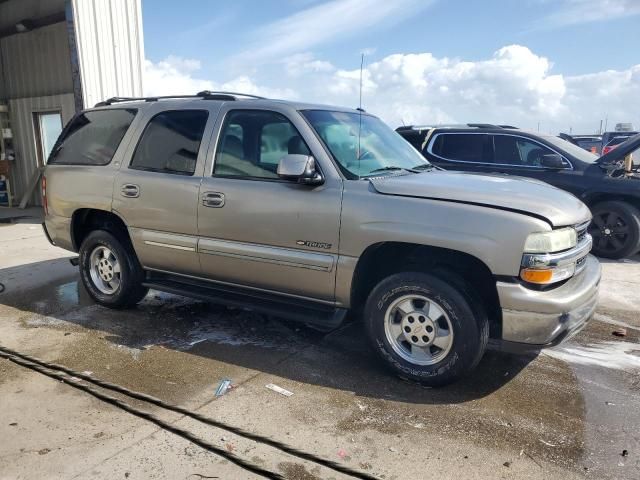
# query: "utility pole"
(600, 131)
(538, 125)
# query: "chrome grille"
(581, 230)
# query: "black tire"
(468, 320)
(130, 290)
(615, 229)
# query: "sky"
(556, 65)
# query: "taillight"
(45, 204)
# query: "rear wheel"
(615, 229)
(425, 329)
(110, 271)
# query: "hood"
(504, 192)
(625, 148)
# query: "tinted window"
(519, 151)
(170, 142)
(92, 137)
(252, 142)
(617, 141)
(465, 147)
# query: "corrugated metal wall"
(110, 48)
(37, 63)
(22, 123)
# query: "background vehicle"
(612, 194)
(608, 136)
(615, 141)
(591, 143)
(306, 212)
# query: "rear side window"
(463, 147)
(170, 142)
(92, 137)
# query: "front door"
(157, 193)
(258, 230)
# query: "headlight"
(550, 242)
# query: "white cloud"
(175, 76)
(573, 12)
(328, 22)
(513, 86)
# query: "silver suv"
(308, 212)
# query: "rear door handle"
(130, 190)
(213, 199)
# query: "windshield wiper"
(390, 169)
(424, 166)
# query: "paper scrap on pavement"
(279, 390)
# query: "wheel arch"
(86, 220)
(386, 258)
(593, 198)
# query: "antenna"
(360, 110)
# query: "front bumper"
(534, 319)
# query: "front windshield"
(375, 151)
(578, 152)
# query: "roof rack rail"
(483, 125)
(205, 95)
(209, 93)
(461, 125)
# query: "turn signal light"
(536, 275)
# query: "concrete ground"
(569, 413)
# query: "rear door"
(468, 151)
(157, 191)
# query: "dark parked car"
(615, 141)
(591, 143)
(608, 136)
(603, 183)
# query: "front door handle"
(130, 190)
(213, 199)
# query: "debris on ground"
(506, 464)
(391, 449)
(610, 404)
(44, 451)
(620, 332)
(87, 372)
(279, 390)
(548, 444)
(625, 453)
(223, 387)
(342, 453)
(229, 447)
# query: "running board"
(306, 311)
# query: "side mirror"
(299, 168)
(552, 160)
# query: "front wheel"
(425, 329)
(110, 271)
(615, 229)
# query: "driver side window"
(519, 151)
(252, 142)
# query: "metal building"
(56, 58)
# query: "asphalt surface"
(567, 413)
